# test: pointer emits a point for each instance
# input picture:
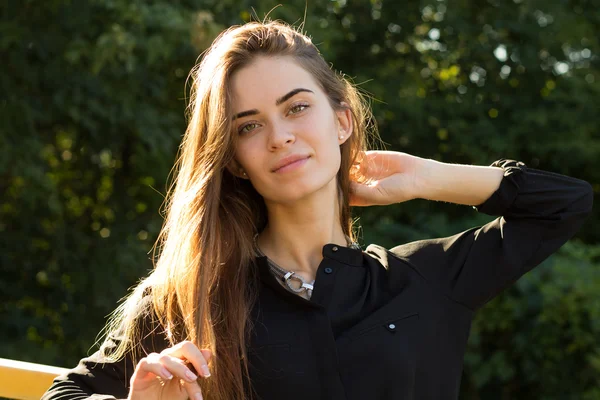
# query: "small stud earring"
(341, 137)
(244, 174)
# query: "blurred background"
(92, 98)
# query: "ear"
(345, 122)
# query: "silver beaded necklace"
(294, 283)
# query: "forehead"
(267, 78)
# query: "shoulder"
(427, 254)
(426, 250)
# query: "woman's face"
(288, 133)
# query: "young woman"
(260, 290)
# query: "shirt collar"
(346, 255)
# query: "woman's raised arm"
(537, 211)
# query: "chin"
(298, 190)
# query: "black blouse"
(386, 324)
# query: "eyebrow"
(278, 102)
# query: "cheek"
(321, 130)
(245, 155)
(327, 138)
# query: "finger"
(177, 367)
(149, 368)
(365, 195)
(178, 389)
(193, 390)
(207, 354)
(369, 172)
(188, 351)
(379, 163)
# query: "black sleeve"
(97, 378)
(539, 212)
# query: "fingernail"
(166, 374)
(205, 371)
(190, 375)
(198, 396)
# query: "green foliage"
(92, 109)
(540, 339)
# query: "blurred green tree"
(92, 113)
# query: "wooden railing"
(25, 381)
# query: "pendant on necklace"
(289, 276)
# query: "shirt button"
(334, 248)
(392, 326)
(328, 270)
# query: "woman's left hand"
(388, 177)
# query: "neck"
(296, 232)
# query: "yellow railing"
(24, 381)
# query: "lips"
(289, 160)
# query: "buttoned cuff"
(506, 194)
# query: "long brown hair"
(203, 285)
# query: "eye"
(247, 127)
(296, 108)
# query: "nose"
(281, 136)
